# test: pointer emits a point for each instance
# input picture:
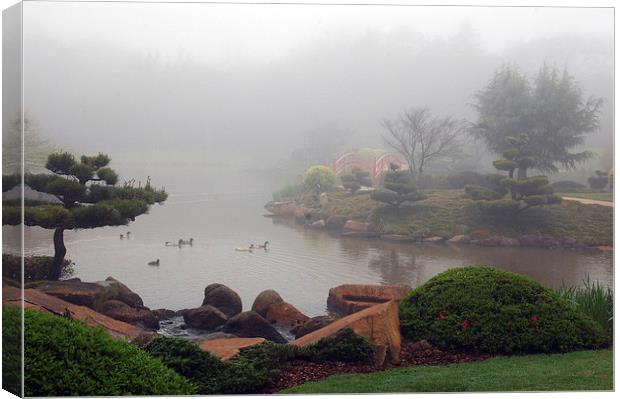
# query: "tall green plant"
(593, 299)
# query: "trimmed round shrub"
(64, 357)
(319, 178)
(489, 310)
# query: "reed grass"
(592, 298)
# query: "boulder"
(125, 294)
(251, 325)
(42, 302)
(217, 335)
(121, 311)
(433, 240)
(206, 317)
(223, 298)
(398, 237)
(356, 226)
(379, 324)
(285, 315)
(283, 208)
(335, 223)
(226, 348)
(164, 314)
(76, 292)
(319, 224)
(313, 324)
(351, 298)
(459, 239)
(264, 300)
(509, 242)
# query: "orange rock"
(351, 298)
(226, 348)
(354, 225)
(285, 208)
(43, 302)
(379, 324)
(285, 314)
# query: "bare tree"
(420, 137)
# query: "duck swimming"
(183, 242)
(249, 249)
(154, 263)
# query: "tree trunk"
(59, 254)
(522, 174)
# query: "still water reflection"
(302, 264)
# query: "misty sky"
(228, 35)
(253, 83)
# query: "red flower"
(464, 325)
(534, 319)
(442, 316)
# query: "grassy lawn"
(592, 196)
(447, 213)
(587, 370)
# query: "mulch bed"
(411, 354)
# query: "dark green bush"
(11, 350)
(490, 310)
(599, 181)
(255, 366)
(66, 358)
(35, 267)
(345, 346)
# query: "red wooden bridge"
(375, 166)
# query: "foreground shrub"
(490, 310)
(256, 366)
(35, 267)
(66, 358)
(593, 299)
(11, 350)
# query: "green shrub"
(11, 350)
(593, 299)
(66, 358)
(490, 310)
(319, 178)
(255, 366)
(35, 267)
(599, 181)
(345, 346)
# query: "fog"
(250, 87)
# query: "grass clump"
(67, 358)
(593, 299)
(489, 310)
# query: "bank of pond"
(450, 216)
(96, 339)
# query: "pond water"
(301, 264)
